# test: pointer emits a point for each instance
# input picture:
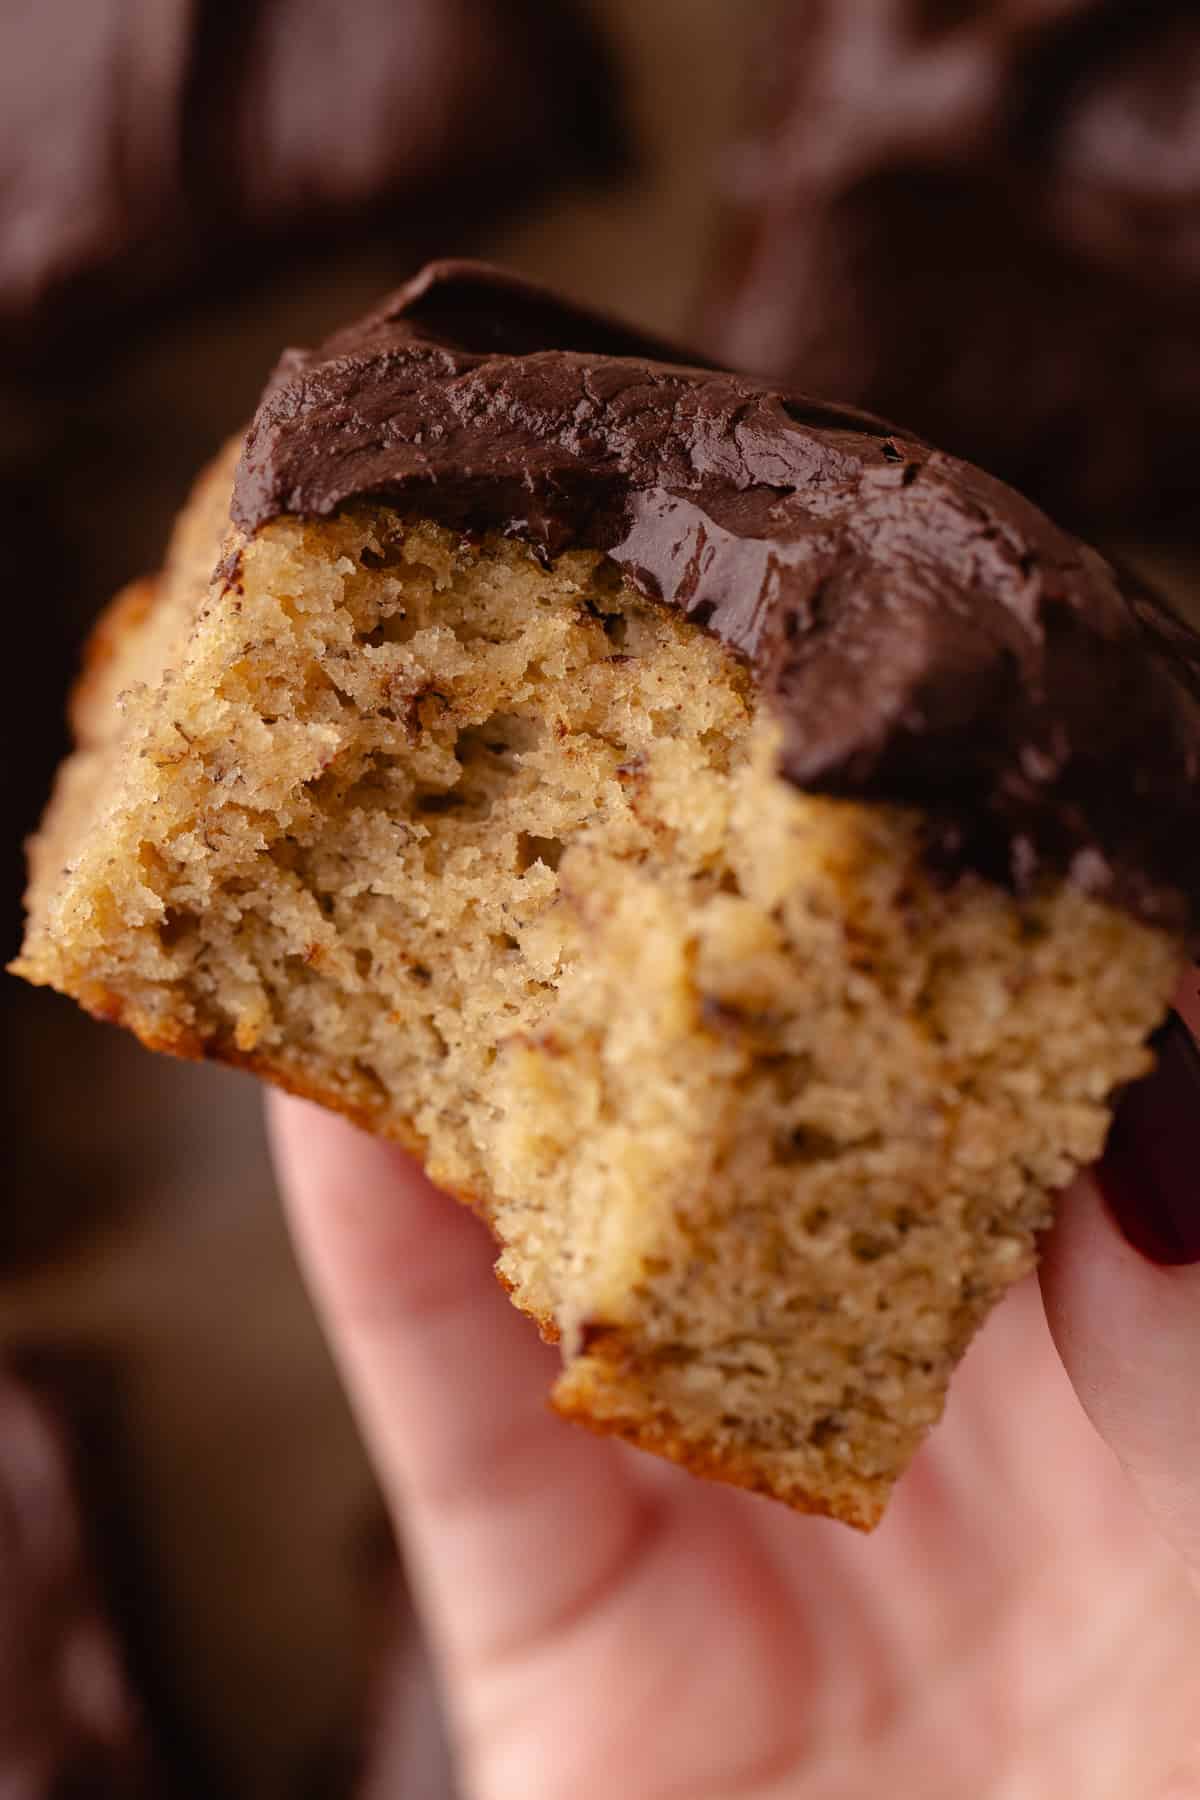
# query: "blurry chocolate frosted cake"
(142, 144)
(70, 1728)
(982, 219)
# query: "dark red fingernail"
(1150, 1173)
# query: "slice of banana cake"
(741, 849)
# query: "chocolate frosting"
(923, 634)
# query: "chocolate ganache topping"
(923, 634)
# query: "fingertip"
(1100, 1293)
(308, 1138)
(1148, 1175)
(373, 1233)
(1128, 1332)
(1124, 1255)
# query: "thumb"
(1121, 1279)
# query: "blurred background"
(184, 189)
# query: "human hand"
(1023, 1626)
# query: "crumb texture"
(493, 856)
